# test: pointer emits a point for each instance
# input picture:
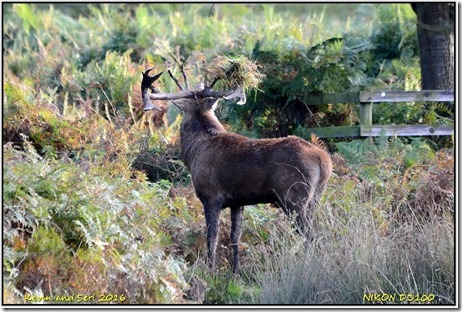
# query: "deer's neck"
(196, 131)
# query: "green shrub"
(57, 215)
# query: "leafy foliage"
(108, 223)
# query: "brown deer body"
(230, 170)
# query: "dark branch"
(211, 10)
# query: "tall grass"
(412, 259)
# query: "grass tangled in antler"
(233, 72)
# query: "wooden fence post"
(365, 114)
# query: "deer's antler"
(198, 93)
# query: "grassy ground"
(89, 224)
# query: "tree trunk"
(435, 31)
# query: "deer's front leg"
(212, 216)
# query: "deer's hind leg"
(237, 214)
(298, 201)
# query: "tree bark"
(435, 31)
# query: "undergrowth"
(384, 229)
(73, 229)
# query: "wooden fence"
(366, 101)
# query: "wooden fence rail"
(366, 101)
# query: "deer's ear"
(182, 104)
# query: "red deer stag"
(231, 170)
